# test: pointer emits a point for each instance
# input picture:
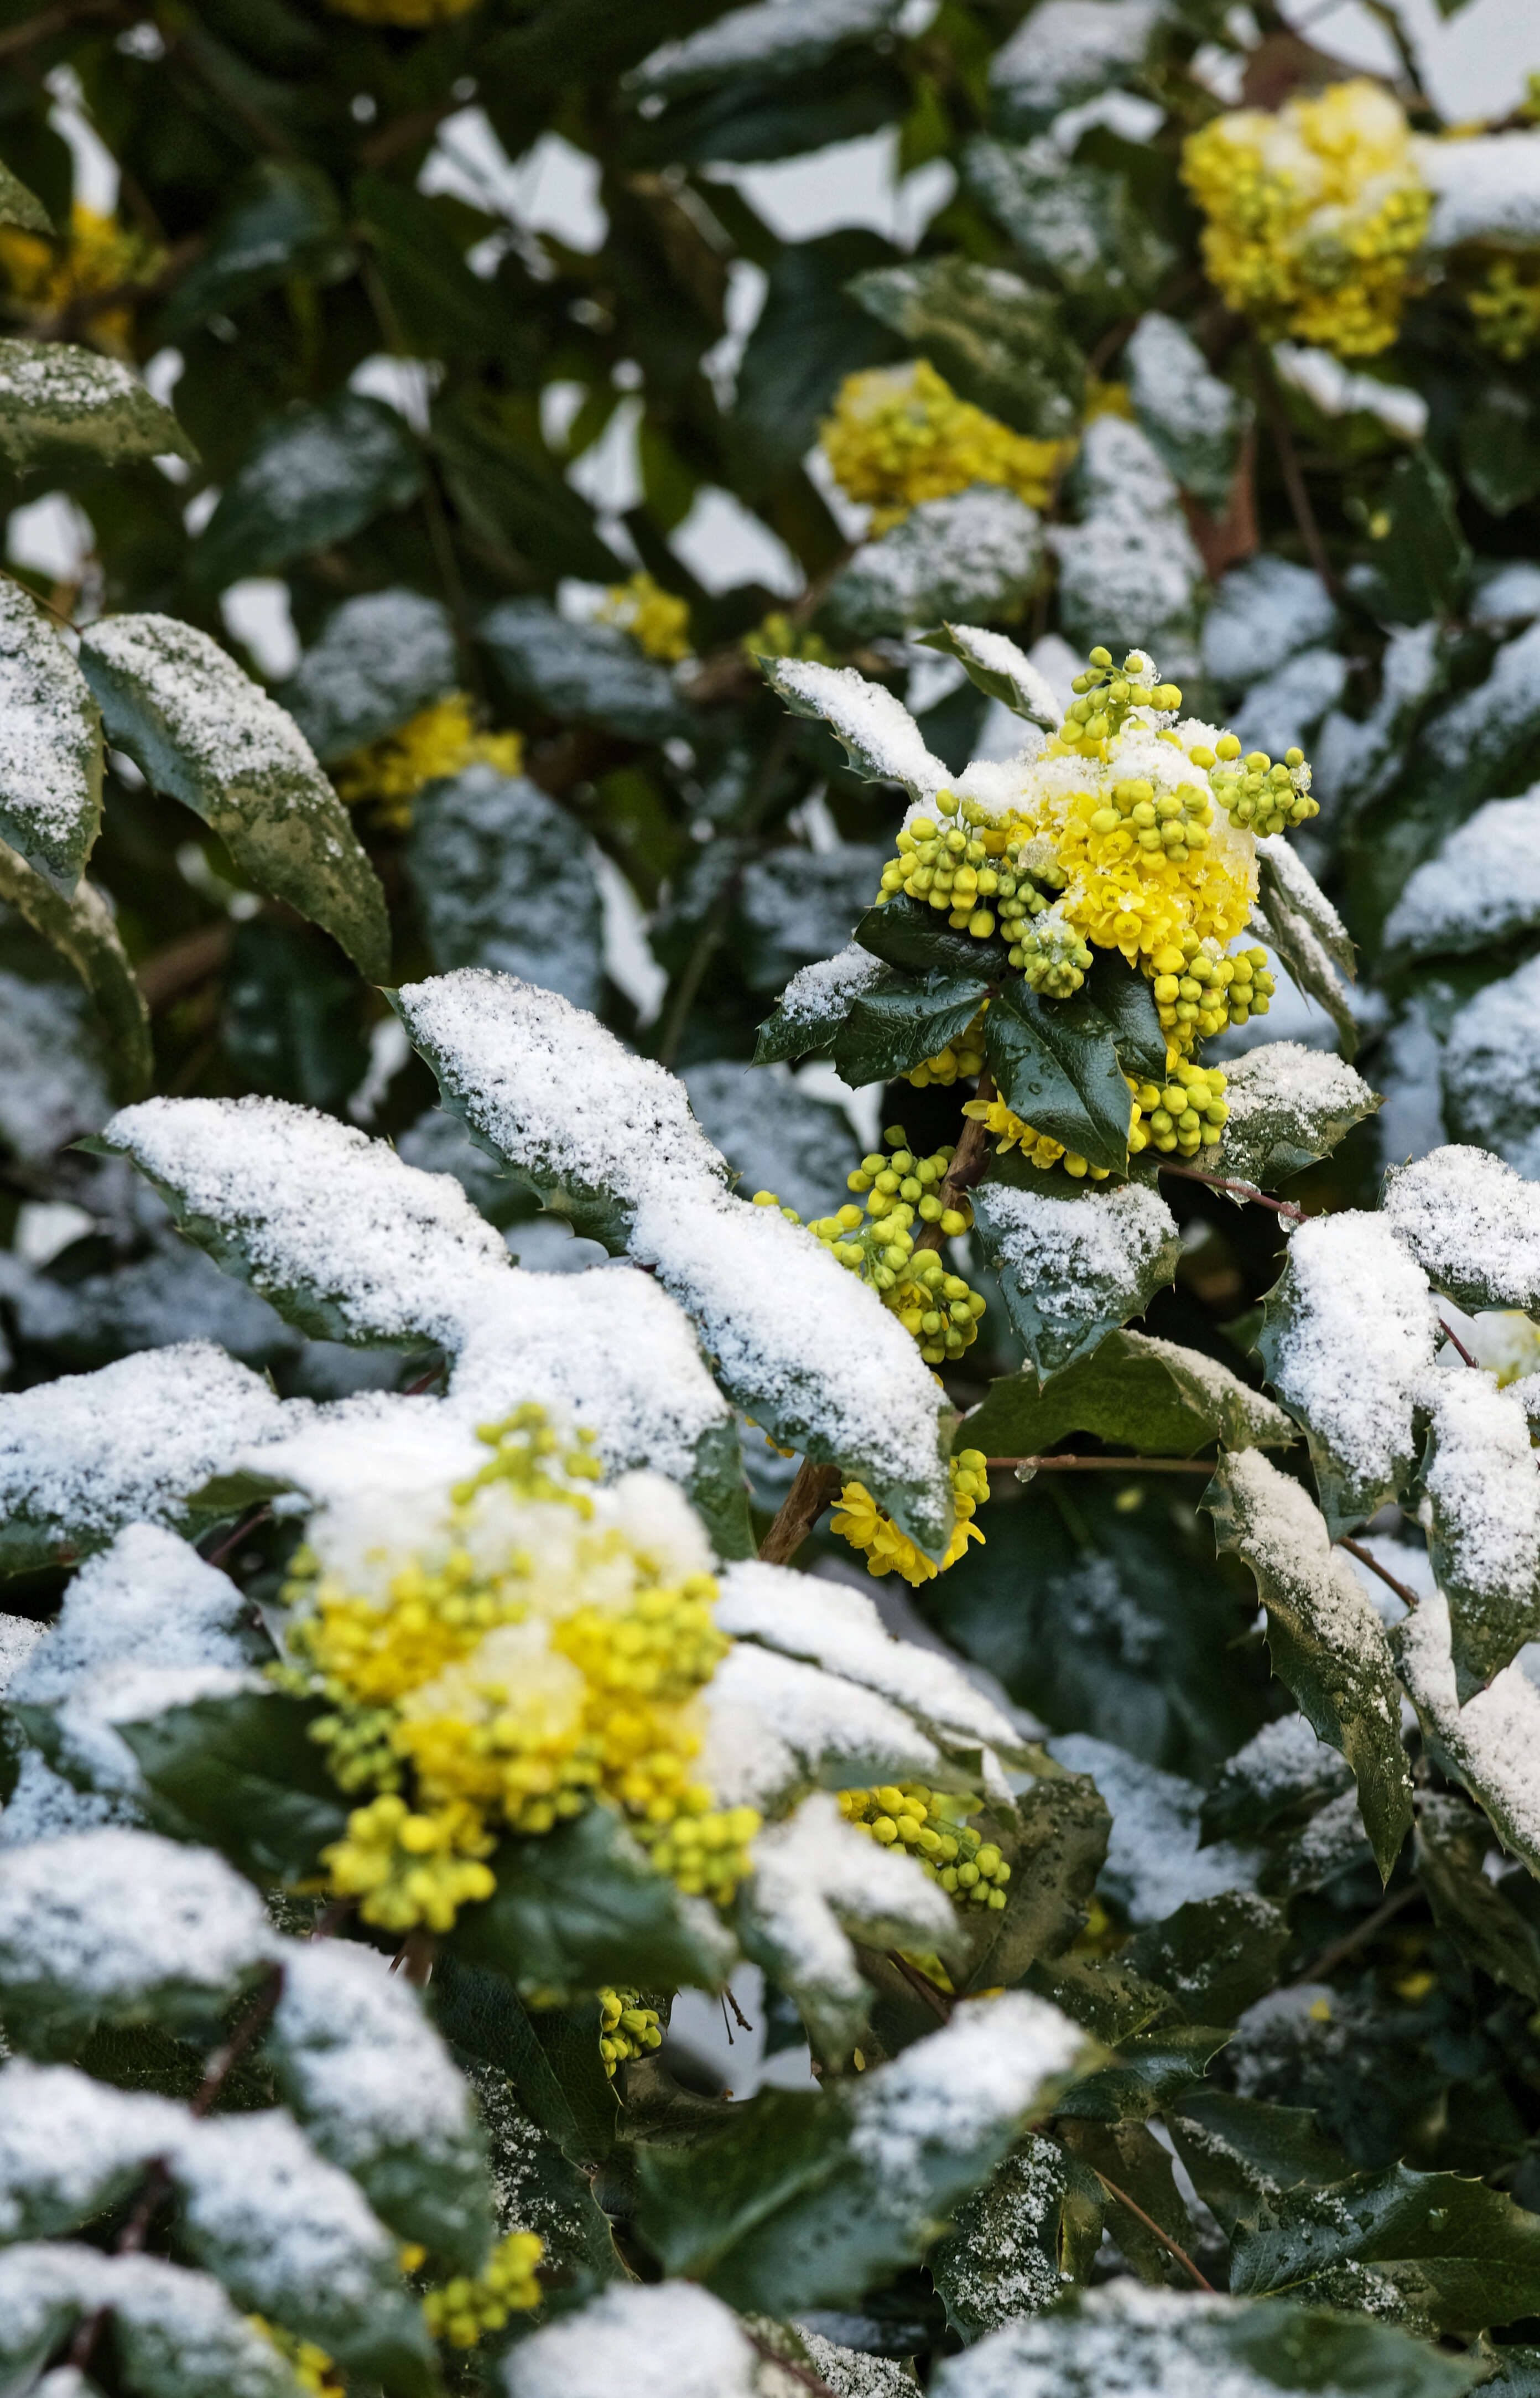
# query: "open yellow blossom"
(859, 1521)
(98, 255)
(656, 620)
(539, 1648)
(900, 434)
(441, 739)
(1315, 214)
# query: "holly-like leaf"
(978, 552)
(202, 732)
(995, 663)
(896, 1025)
(1060, 1851)
(815, 1003)
(550, 2055)
(1152, 1397)
(1126, 999)
(244, 1775)
(1150, 2070)
(284, 219)
(1288, 1106)
(998, 341)
(917, 939)
(1196, 422)
(1055, 1065)
(1282, 1773)
(1013, 2238)
(65, 407)
(594, 674)
(313, 480)
(1471, 1223)
(1418, 560)
(1241, 2151)
(1325, 1639)
(1490, 1742)
(1476, 1914)
(1297, 921)
(1216, 1956)
(1073, 1269)
(875, 730)
(82, 930)
(50, 774)
(1480, 1481)
(1456, 2255)
(580, 1907)
(1126, 2159)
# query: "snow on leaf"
(1072, 1270)
(1485, 189)
(666, 2340)
(50, 775)
(1067, 51)
(1195, 421)
(1491, 1095)
(819, 1884)
(1491, 1742)
(1481, 1483)
(379, 658)
(978, 553)
(815, 1003)
(957, 2093)
(176, 2334)
(1128, 573)
(766, 39)
(776, 1723)
(1324, 1637)
(1154, 1863)
(1262, 613)
(1481, 885)
(1349, 1332)
(71, 2146)
(83, 930)
(997, 667)
(608, 1138)
(79, 407)
(877, 732)
(1471, 1223)
(1288, 1106)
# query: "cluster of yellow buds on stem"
(1198, 991)
(900, 434)
(961, 1056)
(1505, 305)
(627, 2030)
(1106, 695)
(933, 1826)
(657, 620)
(467, 2308)
(1185, 1112)
(439, 740)
(958, 872)
(1053, 957)
(1254, 792)
(1039, 1148)
(311, 2366)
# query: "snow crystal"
(53, 778)
(815, 1878)
(292, 2235)
(1080, 1251)
(850, 2372)
(45, 1807)
(881, 737)
(69, 2145)
(378, 659)
(666, 2340)
(116, 1921)
(361, 2064)
(1486, 189)
(996, 2061)
(1283, 712)
(839, 1628)
(1336, 390)
(1471, 1223)
(977, 553)
(1119, 2341)
(773, 37)
(1494, 1740)
(839, 1732)
(172, 2329)
(1128, 573)
(1480, 885)
(821, 993)
(376, 1465)
(18, 1637)
(796, 1339)
(1154, 1864)
(80, 1458)
(1482, 1480)
(1260, 614)
(320, 1207)
(52, 1087)
(1353, 1335)
(1068, 51)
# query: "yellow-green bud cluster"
(466, 2310)
(950, 869)
(1184, 1113)
(1106, 696)
(706, 1854)
(1174, 825)
(1254, 792)
(1053, 957)
(1197, 992)
(960, 1059)
(627, 2030)
(933, 1826)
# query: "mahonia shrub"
(769, 1267)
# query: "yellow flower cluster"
(439, 740)
(933, 1826)
(409, 13)
(962, 1056)
(99, 255)
(464, 2311)
(1315, 214)
(311, 2366)
(1507, 307)
(1039, 1148)
(542, 1650)
(656, 621)
(627, 2030)
(859, 1521)
(900, 434)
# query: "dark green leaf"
(1285, 1113)
(581, 1906)
(1126, 999)
(1486, 1927)
(1079, 226)
(1241, 2151)
(1196, 422)
(1055, 1065)
(1491, 1579)
(284, 220)
(502, 880)
(1150, 2070)
(1455, 2255)
(1127, 2158)
(1148, 1395)
(1073, 1264)
(995, 664)
(875, 730)
(510, 499)
(1216, 1956)
(17, 206)
(50, 775)
(1062, 1842)
(594, 674)
(1305, 930)
(70, 408)
(550, 2054)
(292, 1020)
(163, 689)
(83, 930)
(796, 906)
(809, 336)
(244, 1774)
(997, 341)
(907, 933)
(1283, 1773)
(889, 1030)
(380, 659)
(1106, 1998)
(443, 309)
(1325, 1639)
(1420, 565)
(1012, 2237)
(749, 118)
(813, 1020)
(1500, 444)
(541, 2190)
(313, 478)
(718, 1491)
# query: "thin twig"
(1293, 479)
(803, 2373)
(1355, 1549)
(744, 2023)
(184, 963)
(54, 21)
(1329, 1958)
(968, 1159)
(922, 1985)
(1067, 1464)
(800, 1509)
(225, 2060)
(1150, 2225)
(681, 999)
(1452, 1337)
(248, 1524)
(1242, 1190)
(57, 614)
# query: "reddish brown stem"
(1454, 1341)
(232, 1540)
(1105, 1465)
(804, 1502)
(968, 1159)
(1151, 2226)
(803, 2373)
(1329, 1958)
(1355, 1549)
(1242, 1190)
(922, 1985)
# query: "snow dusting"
(1069, 50)
(1487, 189)
(997, 2060)
(1471, 1223)
(822, 995)
(171, 2329)
(1260, 614)
(1154, 1864)
(668, 2340)
(1492, 1741)
(1119, 2341)
(879, 735)
(1480, 885)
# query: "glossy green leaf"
(1078, 225)
(747, 118)
(812, 1019)
(502, 880)
(977, 552)
(550, 2055)
(1285, 1113)
(1056, 1065)
(1283, 1773)
(875, 730)
(293, 1014)
(313, 480)
(1110, 1999)
(1150, 2070)
(1059, 1852)
(1216, 1956)
(379, 658)
(1325, 1639)
(1455, 2255)
(1241, 2152)
(909, 934)
(1486, 1926)
(50, 772)
(1500, 447)
(1419, 565)
(889, 1030)
(202, 733)
(244, 1774)
(593, 673)
(998, 341)
(514, 505)
(65, 407)
(1148, 1395)
(1127, 2158)
(581, 1906)
(1126, 999)
(82, 932)
(1014, 2236)
(1073, 1264)
(718, 1491)
(443, 309)
(997, 665)
(20, 206)
(807, 337)
(283, 220)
